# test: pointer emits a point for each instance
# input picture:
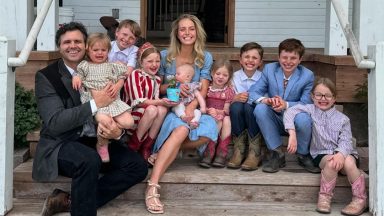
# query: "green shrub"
(26, 116)
(362, 94)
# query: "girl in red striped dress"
(141, 92)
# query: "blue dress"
(207, 125)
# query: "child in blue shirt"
(244, 126)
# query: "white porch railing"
(375, 110)
(353, 44)
(7, 100)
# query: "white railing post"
(375, 129)
(7, 106)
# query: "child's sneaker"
(103, 152)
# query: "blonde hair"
(131, 25)
(101, 38)
(199, 46)
(223, 63)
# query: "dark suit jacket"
(63, 120)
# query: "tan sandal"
(152, 159)
(152, 194)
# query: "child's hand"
(167, 103)
(212, 112)
(338, 161)
(115, 89)
(76, 82)
(292, 142)
(241, 97)
(268, 101)
(278, 104)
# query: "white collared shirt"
(241, 82)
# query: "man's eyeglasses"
(318, 96)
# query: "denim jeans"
(242, 118)
(89, 191)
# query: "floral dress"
(216, 98)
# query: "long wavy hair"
(199, 46)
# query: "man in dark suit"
(63, 151)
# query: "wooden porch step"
(32, 207)
(186, 181)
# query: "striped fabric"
(139, 87)
(331, 130)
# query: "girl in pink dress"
(141, 92)
(219, 97)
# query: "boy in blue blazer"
(282, 85)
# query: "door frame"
(229, 19)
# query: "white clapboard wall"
(89, 11)
(267, 22)
(271, 21)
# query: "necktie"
(285, 83)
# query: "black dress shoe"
(57, 201)
(306, 162)
(275, 163)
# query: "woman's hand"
(184, 90)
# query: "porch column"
(7, 101)
(375, 129)
(335, 41)
(46, 37)
(367, 22)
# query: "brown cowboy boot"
(253, 158)
(325, 195)
(359, 198)
(221, 152)
(146, 147)
(208, 155)
(239, 148)
(57, 201)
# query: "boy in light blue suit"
(284, 84)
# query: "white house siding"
(265, 21)
(89, 11)
(271, 21)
